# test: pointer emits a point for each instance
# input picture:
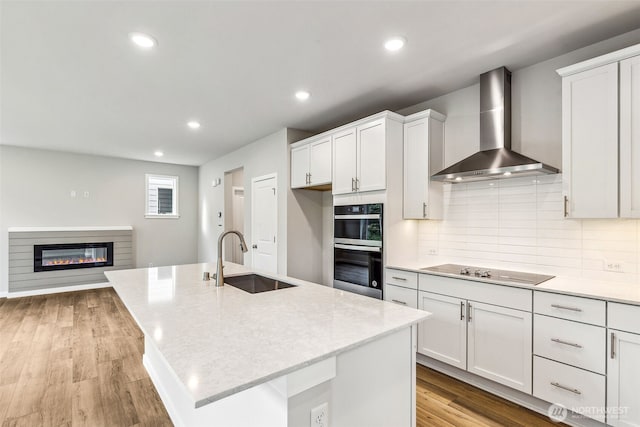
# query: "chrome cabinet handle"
(461, 310)
(564, 387)
(559, 341)
(613, 345)
(357, 184)
(399, 302)
(353, 184)
(564, 307)
(399, 278)
(469, 312)
(424, 210)
(566, 203)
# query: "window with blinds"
(162, 196)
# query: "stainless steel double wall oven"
(357, 249)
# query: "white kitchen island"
(225, 357)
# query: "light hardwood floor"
(75, 359)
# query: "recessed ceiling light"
(193, 124)
(144, 41)
(395, 43)
(302, 95)
(158, 153)
(458, 178)
(507, 173)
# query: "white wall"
(518, 223)
(35, 188)
(265, 156)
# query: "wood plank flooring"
(443, 401)
(75, 359)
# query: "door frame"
(254, 180)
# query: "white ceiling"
(71, 80)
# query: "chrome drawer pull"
(399, 278)
(564, 307)
(564, 387)
(559, 341)
(461, 310)
(399, 302)
(613, 345)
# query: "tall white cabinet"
(423, 157)
(623, 369)
(601, 130)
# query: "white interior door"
(237, 200)
(264, 223)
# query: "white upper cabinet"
(590, 143)
(311, 164)
(371, 167)
(423, 156)
(344, 161)
(601, 130)
(359, 158)
(300, 166)
(320, 162)
(630, 138)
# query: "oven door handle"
(358, 248)
(363, 216)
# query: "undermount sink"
(254, 283)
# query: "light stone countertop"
(219, 341)
(622, 292)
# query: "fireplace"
(66, 256)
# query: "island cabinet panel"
(499, 344)
(590, 143)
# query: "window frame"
(176, 211)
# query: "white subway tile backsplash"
(519, 224)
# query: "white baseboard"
(525, 400)
(57, 290)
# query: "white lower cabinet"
(499, 345)
(482, 337)
(623, 366)
(444, 335)
(576, 389)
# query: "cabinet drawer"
(403, 296)
(569, 307)
(576, 344)
(406, 279)
(504, 296)
(624, 317)
(577, 389)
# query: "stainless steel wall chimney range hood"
(495, 158)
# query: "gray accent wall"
(21, 248)
(35, 191)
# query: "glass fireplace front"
(72, 255)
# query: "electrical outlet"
(615, 266)
(320, 415)
(433, 251)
